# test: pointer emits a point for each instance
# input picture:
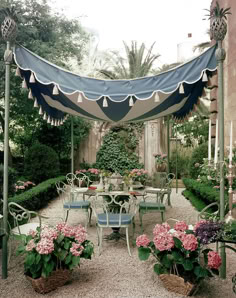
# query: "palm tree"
(138, 62)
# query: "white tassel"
(36, 104)
(80, 98)
(204, 77)
(32, 79)
(49, 119)
(44, 116)
(105, 103)
(17, 73)
(30, 95)
(24, 85)
(156, 98)
(55, 90)
(181, 89)
(40, 111)
(131, 101)
(52, 122)
(61, 122)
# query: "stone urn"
(161, 167)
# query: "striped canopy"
(58, 92)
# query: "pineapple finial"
(218, 17)
(8, 26)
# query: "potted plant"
(181, 261)
(161, 162)
(139, 175)
(51, 253)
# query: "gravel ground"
(114, 273)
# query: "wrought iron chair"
(113, 213)
(71, 201)
(162, 187)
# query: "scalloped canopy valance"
(58, 92)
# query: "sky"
(165, 22)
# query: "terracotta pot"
(161, 167)
(176, 284)
(44, 285)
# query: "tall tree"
(137, 63)
(53, 37)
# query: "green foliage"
(41, 163)
(38, 196)
(117, 153)
(199, 153)
(197, 203)
(12, 177)
(57, 39)
(204, 192)
(194, 130)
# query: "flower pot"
(161, 167)
(176, 284)
(44, 285)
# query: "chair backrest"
(115, 204)
(21, 215)
(159, 180)
(70, 178)
(61, 187)
(82, 179)
(209, 213)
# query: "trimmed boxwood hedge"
(38, 196)
(205, 193)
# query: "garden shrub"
(117, 153)
(12, 177)
(41, 163)
(198, 154)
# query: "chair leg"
(162, 217)
(127, 239)
(168, 200)
(67, 213)
(90, 215)
(141, 220)
(100, 241)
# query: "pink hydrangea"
(181, 226)
(190, 242)
(164, 241)
(142, 240)
(214, 260)
(48, 232)
(165, 227)
(179, 234)
(45, 246)
(76, 249)
(65, 229)
(30, 245)
(80, 234)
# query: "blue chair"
(113, 213)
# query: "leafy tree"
(55, 38)
(138, 62)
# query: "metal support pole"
(72, 144)
(7, 58)
(168, 144)
(220, 56)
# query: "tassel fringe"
(55, 90)
(32, 79)
(181, 89)
(156, 98)
(131, 101)
(204, 77)
(80, 98)
(105, 103)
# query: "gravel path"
(114, 273)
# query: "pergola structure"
(57, 93)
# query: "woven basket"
(177, 284)
(44, 285)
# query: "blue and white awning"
(58, 92)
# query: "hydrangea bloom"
(165, 227)
(181, 226)
(142, 240)
(30, 246)
(76, 249)
(214, 260)
(45, 246)
(190, 242)
(164, 241)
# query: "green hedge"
(207, 194)
(39, 196)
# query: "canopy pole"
(220, 56)
(7, 59)
(72, 144)
(168, 144)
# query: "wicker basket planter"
(161, 167)
(44, 285)
(176, 284)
